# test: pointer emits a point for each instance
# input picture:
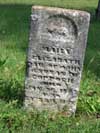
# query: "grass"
(15, 120)
(14, 30)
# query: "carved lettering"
(55, 57)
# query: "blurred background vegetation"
(14, 31)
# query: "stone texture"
(55, 58)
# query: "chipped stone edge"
(60, 10)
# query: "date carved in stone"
(55, 58)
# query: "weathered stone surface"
(55, 58)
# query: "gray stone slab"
(56, 51)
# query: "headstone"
(55, 58)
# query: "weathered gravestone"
(55, 58)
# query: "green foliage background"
(14, 30)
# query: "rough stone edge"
(60, 10)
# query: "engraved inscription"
(59, 28)
(54, 75)
(55, 58)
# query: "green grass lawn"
(14, 30)
(59, 3)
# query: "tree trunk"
(98, 10)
